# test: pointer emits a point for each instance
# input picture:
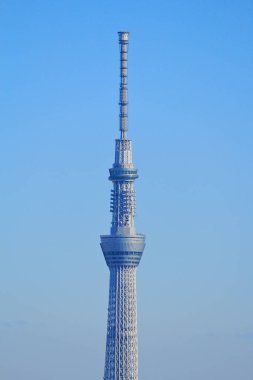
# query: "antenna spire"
(123, 96)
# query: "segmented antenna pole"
(123, 97)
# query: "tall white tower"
(122, 249)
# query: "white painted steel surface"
(122, 249)
(121, 345)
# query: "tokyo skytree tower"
(122, 249)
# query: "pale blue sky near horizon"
(190, 118)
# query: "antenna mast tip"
(123, 36)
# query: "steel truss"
(121, 361)
(122, 249)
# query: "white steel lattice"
(123, 204)
(121, 362)
(122, 249)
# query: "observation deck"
(122, 174)
(122, 250)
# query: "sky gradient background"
(190, 117)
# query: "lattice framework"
(121, 345)
(122, 249)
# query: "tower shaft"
(122, 249)
(121, 346)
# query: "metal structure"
(122, 249)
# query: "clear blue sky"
(191, 113)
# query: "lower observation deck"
(122, 250)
